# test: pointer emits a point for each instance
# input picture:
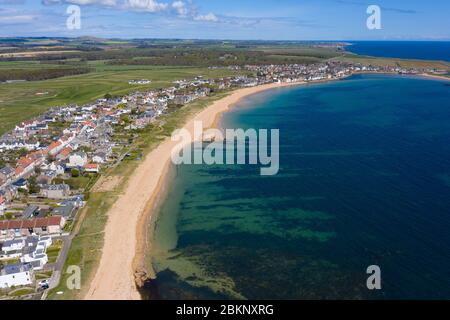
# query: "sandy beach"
(125, 242)
(435, 76)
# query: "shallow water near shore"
(364, 180)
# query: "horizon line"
(224, 39)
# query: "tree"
(22, 152)
(75, 173)
(58, 180)
(85, 149)
(32, 185)
(125, 119)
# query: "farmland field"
(405, 63)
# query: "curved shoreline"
(125, 240)
(123, 264)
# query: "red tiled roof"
(89, 123)
(54, 221)
(26, 123)
(3, 225)
(24, 161)
(36, 154)
(14, 224)
(66, 151)
(91, 166)
(54, 145)
(19, 170)
(40, 222)
(30, 223)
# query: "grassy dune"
(394, 62)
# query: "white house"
(57, 167)
(12, 249)
(13, 245)
(92, 168)
(18, 144)
(38, 258)
(99, 157)
(55, 191)
(15, 275)
(78, 159)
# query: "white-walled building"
(78, 159)
(55, 191)
(38, 258)
(15, 275)
(13, 245)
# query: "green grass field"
(21, 101)
(394, 62)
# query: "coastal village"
(50, 163)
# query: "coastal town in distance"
(92, 208)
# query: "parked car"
(44, 284)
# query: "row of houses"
(331, 69)
(10, 229)
(32, 254)
(30, 250)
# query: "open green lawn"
(53, 252)
(80, 182)
(21, 101)
(41, 275)
(21, 292)
(11, 261)
(86, 246)
(26, 65)
(318, 53)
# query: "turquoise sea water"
(364, 180)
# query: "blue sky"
(229, 19)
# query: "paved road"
(58, 266)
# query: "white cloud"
(16, 19)
(211, 17)
(145, 5)
(134, 5)
(180, 8)
(110, 3)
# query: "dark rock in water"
(149, 290)
(169, 286)
(140, 276)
